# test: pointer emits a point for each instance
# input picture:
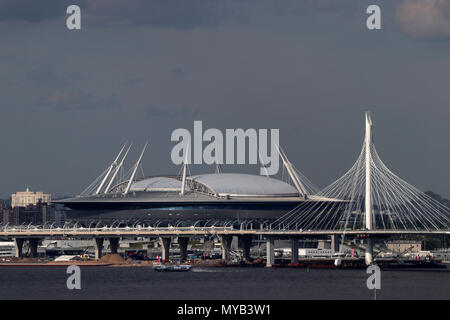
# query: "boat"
(175, 267)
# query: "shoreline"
(118, 261)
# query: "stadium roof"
(238, 184)
(221, 184)
(156, 184)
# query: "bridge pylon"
(368, 197)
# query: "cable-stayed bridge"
(371, 199)
(368, 201)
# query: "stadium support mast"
(288, 165)
(183, 181)
(116, 171)
(109, 171)
(136, 166)
(218, 166)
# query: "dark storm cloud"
(179, 14)
(32, 10)
(162, 13)
(166, 13)
(183, 14)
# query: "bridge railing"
(106, 229)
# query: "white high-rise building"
(25, 198)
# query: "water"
(219, 283)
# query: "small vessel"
(175, 267)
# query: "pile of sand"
(27, 259)
(113, 259)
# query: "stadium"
(218, 197)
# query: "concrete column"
(18, 244)
(165, 246)
(321, 244)
(33, 245)
(225, 241)
(183, 244)
(113, 245)
(235, 243)
(98, 246)
(270, 252)
(369, 252)
(335, 243)
(294, 251)
(246, 242)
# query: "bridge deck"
(198, 231)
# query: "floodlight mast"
(109, 171)
(134, 170)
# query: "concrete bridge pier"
(246, 242)
(270, 252)
(114, 245)
(335, 243)
(183, 243)
(33, 245)
(18, 244)
(294, 250)
(98, 247)
(369, 252)
(225, 242)
(165, 246)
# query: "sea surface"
(220, 283)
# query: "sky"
(138, 70)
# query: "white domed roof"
(237, 184)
